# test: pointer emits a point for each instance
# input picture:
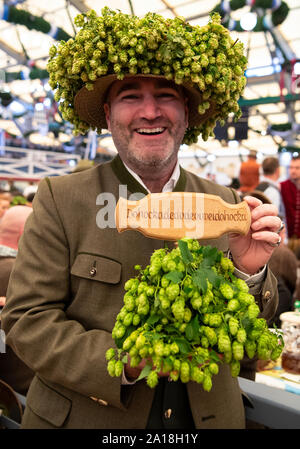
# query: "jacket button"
(168, 413)
(93, 271)
(267, 295)
(99, 401)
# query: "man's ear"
(107, 115)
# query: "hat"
(203, 59)
(89, 103)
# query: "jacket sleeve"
(35, 320)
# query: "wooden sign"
(174, 215)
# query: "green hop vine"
(117, 43)
(187, 314)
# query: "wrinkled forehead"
(138, 83)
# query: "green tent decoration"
(279, 11)
(22, 17)
(33, 74)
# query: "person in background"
(235, 184)
(296, 296)
(284, 265)
(4, 206)
(249, 173)
(11, 229)
(4, 195)
(30, 198)
(290, 192)
(269, 184)
(30, 189)
(12, 370)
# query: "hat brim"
(89, 103)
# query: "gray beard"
(152, 163)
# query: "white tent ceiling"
(18, 42)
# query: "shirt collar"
(170, 184)
(7, 251)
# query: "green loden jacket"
(63, 297)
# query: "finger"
(272, 223)
(265, 210)
(272, 238)
(252, 201)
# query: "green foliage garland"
(278, 14)
(22, 17)
(120, 44)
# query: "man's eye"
(166, 95)
(130, 97)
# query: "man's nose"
(150, 108)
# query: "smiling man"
(148, 118)
(68, 282)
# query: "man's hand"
(253, 251)
(2, 301)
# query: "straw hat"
(89, 103)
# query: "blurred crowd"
(264, 182)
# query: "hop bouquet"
(115, 43)
(186, 313)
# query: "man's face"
(295, 170)
(147, 118)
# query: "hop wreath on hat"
(205, 60)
